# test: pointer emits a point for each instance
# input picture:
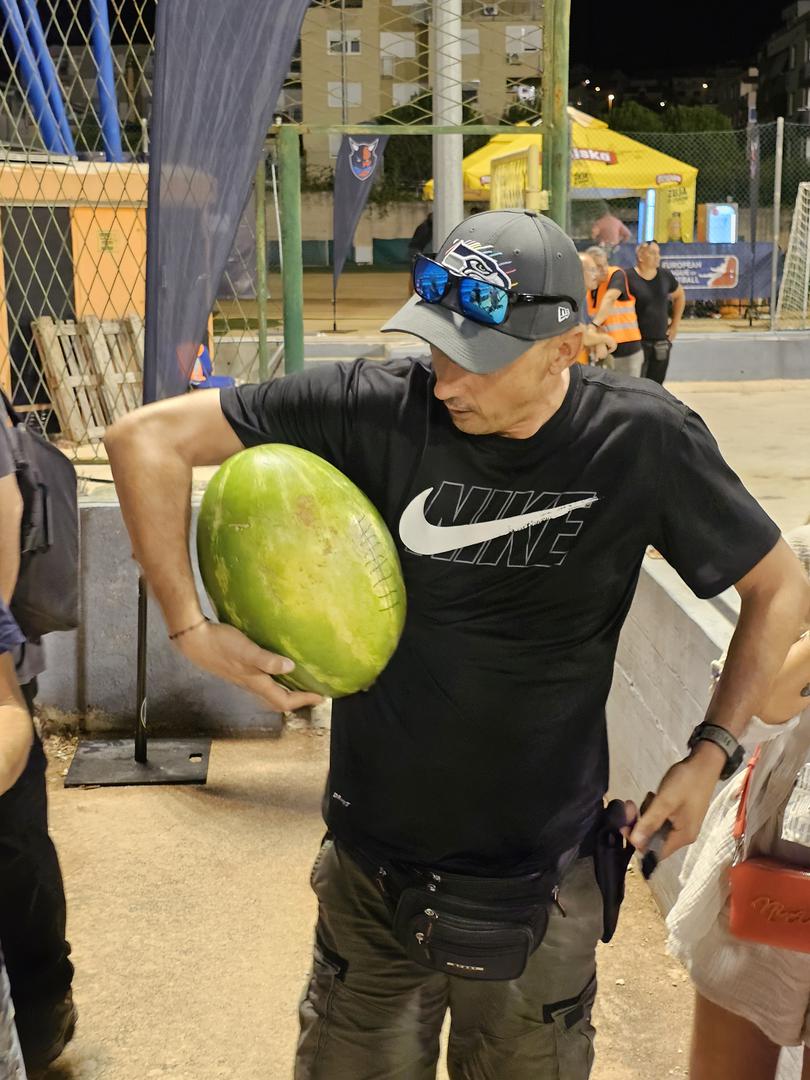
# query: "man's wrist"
(710, 755)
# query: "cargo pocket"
(573, 1033)
(326, 847)
(315, 1009)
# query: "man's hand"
(672, 331)
(683, 798)
(226, 652)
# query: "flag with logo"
(358, 162)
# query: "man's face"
(504, 401)
(649, 256)
(601, 263)
(590, 271)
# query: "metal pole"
(293, 269)
(547, 95)
(31, 79)
(777, 214)
(533, 190)
(47, 71)
(105, 81)
(559, 179)
(140, 710)
(261, 268)
(448, 150)
(806, 285)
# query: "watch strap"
(723, 738)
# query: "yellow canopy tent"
(604, 165)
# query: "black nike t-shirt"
(652, 302)
(482, 746)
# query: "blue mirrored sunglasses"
(480, 301)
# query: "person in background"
(597, 346)
(15, 746)
(612, 306)
(654, 288)
(608, 231)
(32, 896)
(752, 999)
(422, 239)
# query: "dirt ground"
(191, 917)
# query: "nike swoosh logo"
(422, 538)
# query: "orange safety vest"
(622, 323)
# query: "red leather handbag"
(770, 899)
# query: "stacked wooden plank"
(94, 371)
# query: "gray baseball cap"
(519, 250)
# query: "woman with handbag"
(741, 924)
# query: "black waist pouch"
(471, 939)
(472, 927)
(662, 349)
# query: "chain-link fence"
(75, 103)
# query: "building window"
(470, 41)
(334, 95)
(469, 92)
(402, 45)
(404, 92)
(790, 103)
(792, 61)
(334, 145)
(348, 42)
(806, 49)
(522, 40)
(407, 3)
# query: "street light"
(597, 89)
(611, 98)
(586, 82)
(662, 104)
(705, 86)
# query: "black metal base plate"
(111, 763)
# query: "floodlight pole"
(448, 150)
(557, 148)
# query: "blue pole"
(30, 77)
(47, 72)
(107, 103)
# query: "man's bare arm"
(678, 298)
(152, 452)
(775, 599)
(16, 730)
(10, 518)
(606, 307)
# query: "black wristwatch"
(725, 740)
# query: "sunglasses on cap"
(478, 300)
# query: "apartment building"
(361, 58)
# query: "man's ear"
(565, 350)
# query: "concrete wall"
(741, 355)
(92, 670)
(661, 687)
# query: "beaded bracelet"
(188, 629)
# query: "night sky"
(649, 36)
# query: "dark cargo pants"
(370, 1013)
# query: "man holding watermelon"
(465, 797)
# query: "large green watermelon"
(295, 556)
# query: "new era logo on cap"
(563, 313)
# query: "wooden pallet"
(94, 371)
